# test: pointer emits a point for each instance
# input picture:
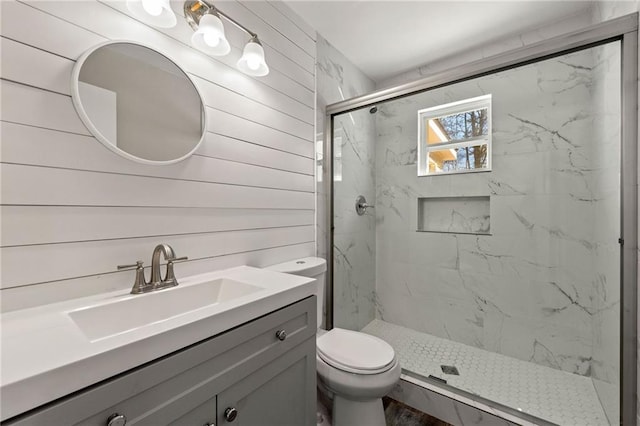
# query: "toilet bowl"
(354, 369)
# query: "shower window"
(455, 137)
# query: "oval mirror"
(138, 103)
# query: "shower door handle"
(361, 205)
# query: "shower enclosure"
(504, 208)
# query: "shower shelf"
(454, 215)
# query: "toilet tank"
(312, 267)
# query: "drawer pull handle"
(117, 420)
(209, 424)
(230, 414)
(281, 334)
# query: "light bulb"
(252, 60)
(211, 39)
(153, 12)
(253, 63)
(152, 7)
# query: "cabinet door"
(202, 415)
(282, 393)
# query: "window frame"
(452, 108)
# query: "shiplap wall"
(72, 210)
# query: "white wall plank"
(232, 149)
(69, 260)
(19, 64)
(294, 17)
(34, 146)
(269, 98)
(246, 196)
(222, 99)
(34, 295)
(282, 24)
(226, 124)
(55, 187)
(23, 225)
(36, 107)
(53, 35)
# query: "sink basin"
(105, 320)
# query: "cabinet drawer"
(165, 389)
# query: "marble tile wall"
(354, 244)
(527, 290)
(354, 235)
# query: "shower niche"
(455, 215)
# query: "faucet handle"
(170, 276)
(140, 282)
(138, 264)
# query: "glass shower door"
(504, 283)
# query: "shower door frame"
(623, 29)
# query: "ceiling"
(385, 38)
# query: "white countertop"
(44, 355)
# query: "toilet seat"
(355, 352)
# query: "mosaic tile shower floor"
(553, 395)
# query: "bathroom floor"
(550, 394)
(398, 414)
(395, 413)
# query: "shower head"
(373, 110)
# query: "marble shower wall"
(354, 236)
(527, 290)
(354, 240)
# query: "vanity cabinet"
(260, 373)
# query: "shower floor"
(547, 393)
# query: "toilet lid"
(355, 352)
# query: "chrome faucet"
(140, 284)
(167, 252)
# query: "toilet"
(355, 369)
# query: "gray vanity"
(260, 373)
(246, 360)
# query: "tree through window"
(455, 137)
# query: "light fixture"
(153, 12)
(209, 37)
(252, 60)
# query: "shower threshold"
(515, 387)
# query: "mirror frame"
(77, 103)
